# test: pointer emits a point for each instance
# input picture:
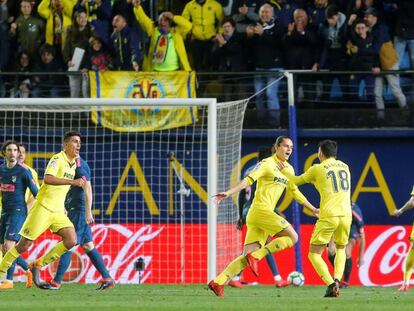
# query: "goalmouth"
(152, 189)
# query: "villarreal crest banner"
(127, 84)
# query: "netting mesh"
(150, 190)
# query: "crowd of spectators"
(208, 35)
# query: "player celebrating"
(356, 233)
(262, 221)
(332, 179)
(14, 180)
(246, 197)
(78, 204)
(409, 263)
(48, 210)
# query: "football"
(296, 278)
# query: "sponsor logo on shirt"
(69, 176)
(280, 180)
(7, 187)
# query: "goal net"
(154, 217)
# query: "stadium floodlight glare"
(135, 191)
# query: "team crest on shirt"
(13, 179)
(26, 231)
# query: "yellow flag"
(127, 84)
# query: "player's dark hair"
(264, 152)
(70, 134)
(7, 143)
(329, 148)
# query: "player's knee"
(87, 247)
(23, 245)
(8, 245)
(294, 237)
(70, 241)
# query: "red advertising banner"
(170, 259)
(383, 264)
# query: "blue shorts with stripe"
(10, 225)
(83, 230)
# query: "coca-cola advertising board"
(160, 248)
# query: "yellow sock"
(8, 260)
(320, 267)
(52, 255)
(274, 246)
(234, 268)
(409, 265)
(339, 264)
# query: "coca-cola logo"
(385, 258)
(120, 247)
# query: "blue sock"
(64, 263)
(22, 263)
(10, 272)
(272, 264)
(98, 262)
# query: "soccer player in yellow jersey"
(409, 263)
(261, 219)
(332, 179)
(48, 212)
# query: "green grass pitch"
(197, 297)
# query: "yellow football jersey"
(332, 179)
(271, 183)
(53, 197)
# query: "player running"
(14, 180)
(246, 197)
(262, 221)
(409, 263)
(332, 179)
(48, 211)
(78, 205)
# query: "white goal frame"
(209, 103)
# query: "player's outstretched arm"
(315, 211)
(297, 180)
(407, 206)
(223, 195)
(56, 181)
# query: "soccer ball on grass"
(296, 278)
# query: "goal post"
(136, 192)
